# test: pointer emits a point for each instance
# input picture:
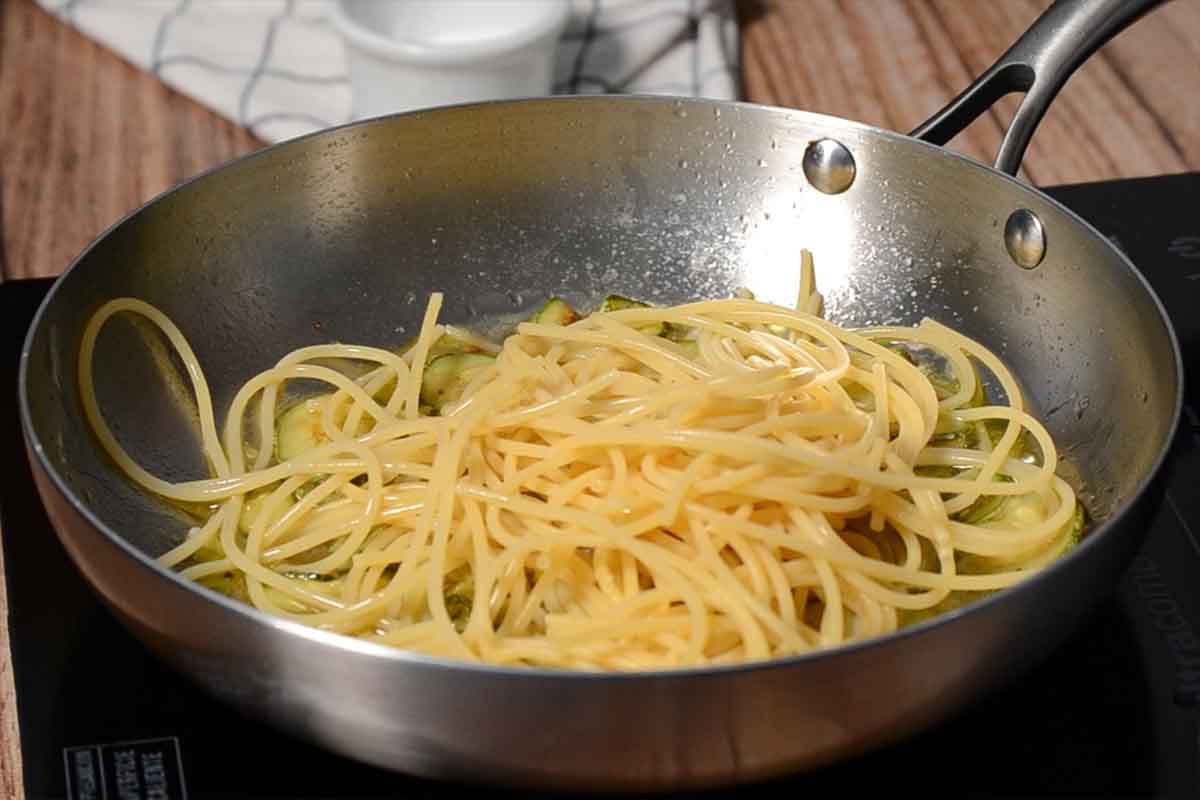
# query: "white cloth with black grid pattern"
(278, 68)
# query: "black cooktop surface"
(1114, 712)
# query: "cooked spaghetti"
(638, 488)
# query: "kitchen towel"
(278, 67)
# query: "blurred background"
(105, 103)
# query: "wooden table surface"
(85, 137)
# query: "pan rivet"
(829, 166)
(1025, 238)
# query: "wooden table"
(84, 137)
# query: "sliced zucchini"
(995, 429)
(963, 437)
(1004, 511)
(458, 592)
(298, 429)
(1020, 511)
(251, 509)
(305, 488)
(971, 564)
(679, 333)
(943, 385)
(903, 352)
(950, 433)
(986, 509)
(615, 302)
(446, 343)
(448, 375)
(556, 312)
(458, 606)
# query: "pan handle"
(1038, 64)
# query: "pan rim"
(446, 666)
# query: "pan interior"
(341, 236)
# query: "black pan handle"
(1038, 64)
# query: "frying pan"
(341, 236)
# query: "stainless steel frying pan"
(341, 236)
